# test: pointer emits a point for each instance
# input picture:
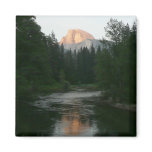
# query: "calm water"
(79, 113)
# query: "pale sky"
(91, 24)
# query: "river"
(79, 113)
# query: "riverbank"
(88, 87)
(79, 112)
(118, 105)
(94, 87)
(131, 107)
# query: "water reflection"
(75, 113)
(80, 113)
(75, 123)
(74, 126)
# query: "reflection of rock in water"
(75, 123)
(74, 126)
(75, 110)
(78, 113)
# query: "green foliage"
(85, 65)
(117, 31)
(42, 66)
(79, 66)
(66, 85)
(38, 56)
(116, 65)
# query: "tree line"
(116, 66)
(43, 66)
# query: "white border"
(8, 10)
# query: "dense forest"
(43, 66)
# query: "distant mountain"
(76, 39)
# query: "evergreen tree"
(32, 68)
(116, 65)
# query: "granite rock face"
(76, 39)
(74, 36)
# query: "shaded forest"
(43, 66)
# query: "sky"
(91, 24)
